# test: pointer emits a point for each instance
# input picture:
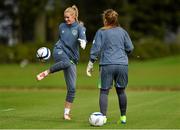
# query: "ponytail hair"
(110, 17)
(74, 11)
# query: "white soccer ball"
(96, 119)
(43, 53)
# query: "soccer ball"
(96, 119)
(43, 53)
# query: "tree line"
(37, 20)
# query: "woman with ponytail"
(66, 54)
(112, 45)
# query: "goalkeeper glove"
(82, 43)
(89, 68)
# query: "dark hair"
(110, 17)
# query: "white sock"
(46, 72)
(66, 111)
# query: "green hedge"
(153, 48)
(144, 49)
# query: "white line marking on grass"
(8, 109)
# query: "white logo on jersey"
(60, 52)
(74, 32)
(62, 31)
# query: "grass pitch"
(160, 73)
(153, 97)
(43, 109)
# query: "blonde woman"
(66, 54)
(112, 44)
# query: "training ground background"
(153, 97)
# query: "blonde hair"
(110, 17)
(73, 10)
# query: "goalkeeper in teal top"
(66, 54)
(112, 45)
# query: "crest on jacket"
(74, 32)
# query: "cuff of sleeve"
(92, 60)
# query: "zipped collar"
(73, 24)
